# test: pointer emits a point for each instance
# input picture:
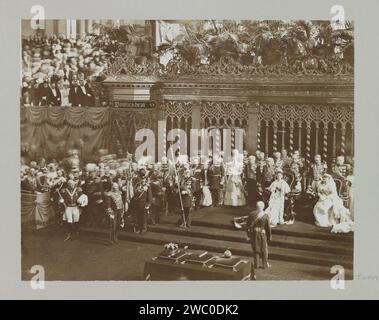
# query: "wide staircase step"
(202, 240)
(278, 240)
(321, 234)
(221, 218)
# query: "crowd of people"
(116, 191)
(60, 71)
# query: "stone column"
(89, 27)
(81, 28)
(252, 128)
(71, 28)
(96, 30)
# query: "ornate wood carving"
(229, 67)
(226, 111)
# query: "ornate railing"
(227, 66)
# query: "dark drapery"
(54, 130)
(124, 125)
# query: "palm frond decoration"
(266, 42)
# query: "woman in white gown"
(234, 190)
(329, 211)
(275, 210)
(207, 196)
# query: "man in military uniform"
(278, 161)
(115, 211)
(93, 187)
(106, 179)
(316, 171)
(260, 166)
(245, 158)
(70, 196)
(251, 181)
(296, 169)
(287, 160)
(165, 172)
(142, 200)
(197, 180)
(340, 169)
(158, 193)
(216, 174)
(268, 172)
(186, 196)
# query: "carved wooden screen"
(312, 129)
(178, 115)
(233, 115)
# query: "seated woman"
(279, 188)
(329, 210)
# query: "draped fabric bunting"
(74, 117)
(54, 130)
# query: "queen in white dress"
(234, 190)
(275, 210)
(329, 211)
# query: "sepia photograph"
(187, 149)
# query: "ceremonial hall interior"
(117, 185)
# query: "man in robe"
(216, 176)
(259, 234)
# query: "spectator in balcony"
(73, 96)
(44, 93)
(54, 97)
(85, 94)
(67, 73)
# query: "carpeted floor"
(298, 252)
(89, 259)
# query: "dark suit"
(73, 96)
(68, 76)
(43, 95)
(54, 100)
(85, 96)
